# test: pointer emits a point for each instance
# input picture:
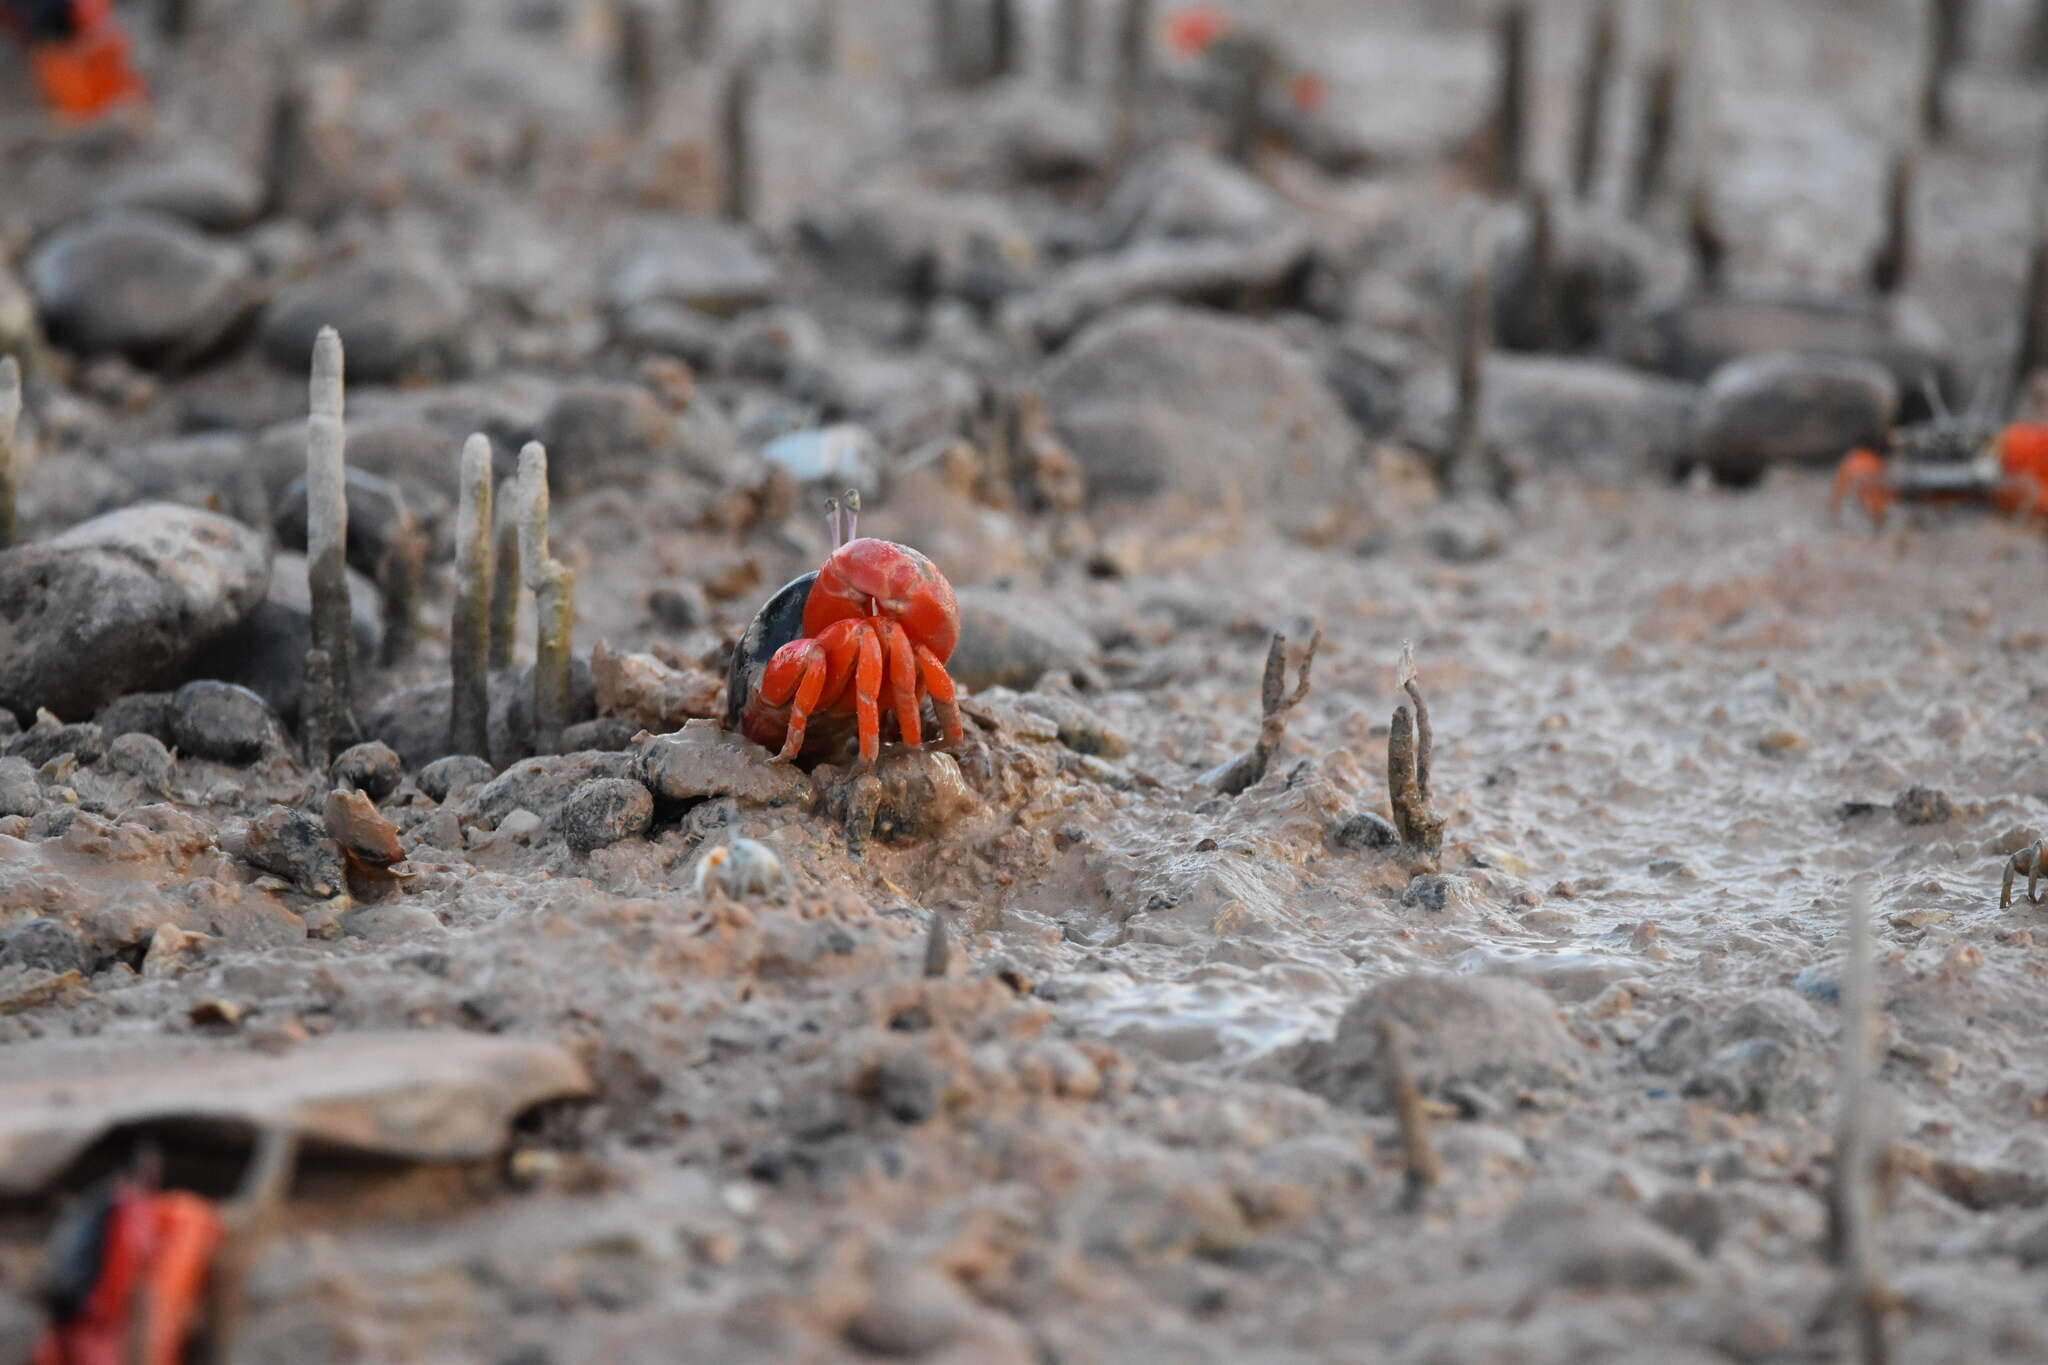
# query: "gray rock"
(1220, 272)
(378, 513)
(1559, 412)
(712, 266)
(395, 320)
(542, 785)
(292, 845)
(1601, 269)
(267, 652)
(603, 812)
(453, 775)
(1821, 983)
(1080, 729)
(1162, 400)
(606, 732)
(670, 329)
(1759, 1076)
(1187, 191)
(1791, 408)
(45, 944)
(1692, 339)
(197, 183)
(62, 489)
(679, 606)
(1674, 1043)
(903, 239)
(223, 721)
(194, 469)
(414, 720)
(1365, 830)
(779, 345)
(597, 432)
(1009, 641)
(143, 756)
(48, 739)
(370, 767)
(1923, 806)
(1593, 1246)
(120, 603)
(144, 713)
(1479, 1034)
(19, 793)
(1430, 892)
(143, 285)
(704, 760)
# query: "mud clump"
(1478, 1042)
(603, 812)
(703, 760)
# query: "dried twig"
(1275, 702)
(1653, 138)
(1467, 436)
(1002, 38)
(1421, 1170)
(1410, 745)
(173, 19)
(1134, 49)
(636, 62)
(1592, 110)
(938, 951)
(469, 644)
(1853, 1206)
(736, 138)
(1709, 247)
(700, 29)
(401, 578)
(1894, 255)
(1511, 96)
(2031, 353)
(10, 417)
(1071, 39)
(553, 585)
(329, 691)
(1946, 20)
(252, 1221)
(2033, 862)
(821, 46)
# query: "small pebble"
(222, 721)
(520, 824)
(1781, 744)
(603, 812)
(19, 794)
(1366, 830)
(454, 775)
(141, 755)
(1923, 806)
(43, 943)
(371, 768)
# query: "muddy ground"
(1132, 1102)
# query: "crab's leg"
(2012, 865)
(939, 683)
(1862, 475)
(901, 667)
(867, 691)
(188, 1231)
(2034, 871)
(803, 697)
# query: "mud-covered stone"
(196, 182)
(223, 721)
(1593, 1246)
(1009, 641)
(701, 263)
(598, 432)
(121, 603)
(395, 319)
(142, 756)
(1486, 1035)
(1791, 408)
(1563, 412)
(453, 775)
(138, 713)
(19, 792)
(44, 944)
(371, 767)
(541, 785)
(48, 739)
(1365, 830)
(603, 812)
(1166, 400)
(703, 760)
(140, 284)
(1923, 806)
(290, 844)
(266, 653)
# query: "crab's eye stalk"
(852, 513)
(1193, 31)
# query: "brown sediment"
(1598, 75)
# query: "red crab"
(77, 51)
(1202, 30)
(129, 1276)
(877, 620)
(1951, 460)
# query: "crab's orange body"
(2011, 473)
(78, 54)
(148, 1272)
(880, 623)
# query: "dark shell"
(780, 620)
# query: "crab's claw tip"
(86, 76)
(1192, 31)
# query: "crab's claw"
(2023, 459)
(137, 1265)
(84, 70)
(1862, 476)
(1192, 31)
